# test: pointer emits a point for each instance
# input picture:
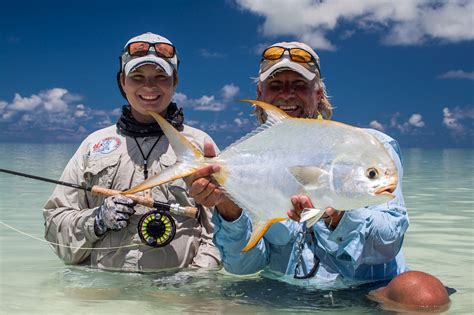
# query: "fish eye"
(372, 173)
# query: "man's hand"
(113, 214)
(331, 217)
(207, 193)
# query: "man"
(343, 249)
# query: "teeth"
(149, 97)
(288, 108)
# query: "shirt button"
(339, 239)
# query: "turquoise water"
(439, 193)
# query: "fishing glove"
(113, 214)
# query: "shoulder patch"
(105, 146)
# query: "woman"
(102, 232)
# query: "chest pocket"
(101, 171)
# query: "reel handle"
(191, 212)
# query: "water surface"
(438, 190)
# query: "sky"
(403, 67)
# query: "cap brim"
(285, 63)
(133, 64)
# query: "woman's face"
(148, 88)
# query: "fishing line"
(61, 245)
(156, 228)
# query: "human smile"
(149, 98)
(288, 108)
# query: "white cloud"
(457, 74)
(376, 125)
(180, 98)
(208, 102)
(229, 91)
(238, 121)
(407, 22)
(207, 54)
(410, 126)
(7, 116)
(205, 100)
(24, 103)
(416, 120)
(81, 111)
(459, 120)
(53, 100)
(116, 112)
(212, 106)
(52, 114)
(204, 103)
(27, 118)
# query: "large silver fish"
(336, 165)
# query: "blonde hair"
(324, 107)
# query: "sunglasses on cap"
(140, 49)
(299, 55)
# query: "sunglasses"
(271, 54)
(296, 54)
(140, 49)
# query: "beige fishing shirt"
(111, 160)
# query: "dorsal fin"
(181, 146)
(189, 158)
(274, 113)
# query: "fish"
(335, 164)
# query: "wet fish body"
(336, 165)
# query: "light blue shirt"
(364, 247)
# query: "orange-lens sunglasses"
(296, 54)
(139, 49)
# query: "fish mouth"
(386, 190)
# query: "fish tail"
(258, 233)
(311, 216)
(189, 158)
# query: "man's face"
(291, 92)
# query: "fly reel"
(156, 228)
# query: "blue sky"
(404, 67)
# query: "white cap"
(130, 64)
(307, 70)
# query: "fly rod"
(175, 208)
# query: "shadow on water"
(194, 291)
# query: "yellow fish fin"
(258, 233)
(188, 158)
(181, 146)
(163, 177)
(274, 113)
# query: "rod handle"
(187, 211)
(144, 201)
